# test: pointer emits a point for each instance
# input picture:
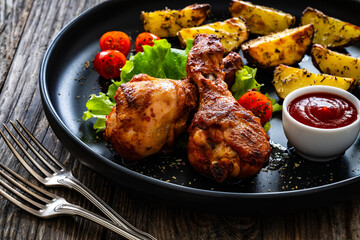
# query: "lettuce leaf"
(98, 107)
(267, 126)
(276, 107)
(160, 61)
(244, 81)
(112, 90)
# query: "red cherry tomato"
(144, 38)
(108, 63)
(258, 104)
(115, 40)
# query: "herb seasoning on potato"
(334, 63)
(166, 23)
(330, 32)
(286, 47)
(260, 19)
(231, 32)
(287, 79)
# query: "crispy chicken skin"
(225, 140)
(232, 63)
(149, 114)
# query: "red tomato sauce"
(323, 110)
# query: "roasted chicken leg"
(225, 139)
(232, 63)
(149, 114)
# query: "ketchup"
(323, 110)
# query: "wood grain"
(27, 27)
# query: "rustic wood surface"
(26, 29)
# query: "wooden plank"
(326, 223)
(13, 16)
(32, 25)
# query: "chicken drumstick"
(225, 139)
(149, 114)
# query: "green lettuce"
(276, 107)
(160, 61)
(267, 126)
(244, 81)
(112, 90)
(98, 107)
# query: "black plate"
(287, 183)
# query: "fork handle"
(75, 184)
(68, 208)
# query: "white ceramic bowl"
(319, 144)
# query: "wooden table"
(26, 29)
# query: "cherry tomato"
(108, 63)
(144, 38)
(258, 104)
(115, 40)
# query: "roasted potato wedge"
(330, 32)
(334, 63)
(260, 19)
(166, 23)
(286, 47)
(232, 33)
(287, 79)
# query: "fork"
(58, 175)
(48, 204)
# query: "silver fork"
(47, 205)
(58, 175)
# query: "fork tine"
(49, 194)
(45, 200)
(43, 170)
(18, 203)
(47, 153)
(21, 159)
(20, 195)
(23, 188)
(33, 150)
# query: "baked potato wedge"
(166, 23)
(286, 47)
(330, 32)
(334, 63)
(232, 33)
(287, 79)
(260, 19)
